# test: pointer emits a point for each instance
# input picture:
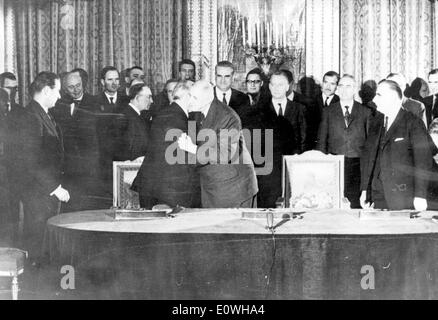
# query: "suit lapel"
(393, 129)
(45, 117)
(339, 115)
(354, 113)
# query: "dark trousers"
(37, 210)
(352, 181)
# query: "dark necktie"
(76, 106)
(347, 116)
(280, 110)
(326, 101)
(111, 101)
(224, 100)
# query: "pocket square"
(398, 139)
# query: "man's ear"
(102, 82)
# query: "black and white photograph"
(226, 153)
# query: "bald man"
(75, 117)
(396, 160)
(227, 174)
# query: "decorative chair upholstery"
(12, 265)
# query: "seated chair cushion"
(12, 260)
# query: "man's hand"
(363, 203)
(420, 204)
(186, 144)
(61, 194)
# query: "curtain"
(383, 36)
(91, 34)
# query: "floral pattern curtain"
(383, 36)
(59, 35)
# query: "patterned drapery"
(383, 36)
(62, 35)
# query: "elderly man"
(396, 159)
(226, 170)
(413, 106)
(133, 136)
(41, 161)
(163, 179)
(74, 116)
(343, 131)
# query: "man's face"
(11, 87)
(346, 88)
(73, 87)
(169, 91)
(329, 85)
(385, 98)
(53, 95)
(187, 72)
(111, 81)
(278, 86)
(254, 83)
(433, 83)
(144, 98)
(224, 78)
(135, 74)
(199, 98)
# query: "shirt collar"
(114, 97)
(220, 94)
(324, 98)
(348, 104)
(135, 108)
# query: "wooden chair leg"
(14, 288)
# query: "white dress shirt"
(114, 97)
(277, 103)
(220, 95)
(330, 98)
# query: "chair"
(12, 265)
(312, 181)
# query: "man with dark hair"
(108, 100)
(343, 131)
(8, 82)
(431, 102)
(396, 159)
(161, 180)
(223, 91)
(74, 115)
(186, 70)
(40, 159)
(132, 73)
(133, 128)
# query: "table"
(215, 254)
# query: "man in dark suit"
(8, 82)
(166, 176)
(396, 160)
(286, 121)
(226, 170)
(343, 131)
(133, 128)
(431, 102)
(165, 97)
(40, 159)
(108, 100)
(74, 116)
(223, 91)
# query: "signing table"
(215, 254)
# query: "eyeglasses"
(253, 81)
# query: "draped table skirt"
(215, 254)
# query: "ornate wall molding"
(202, 34)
